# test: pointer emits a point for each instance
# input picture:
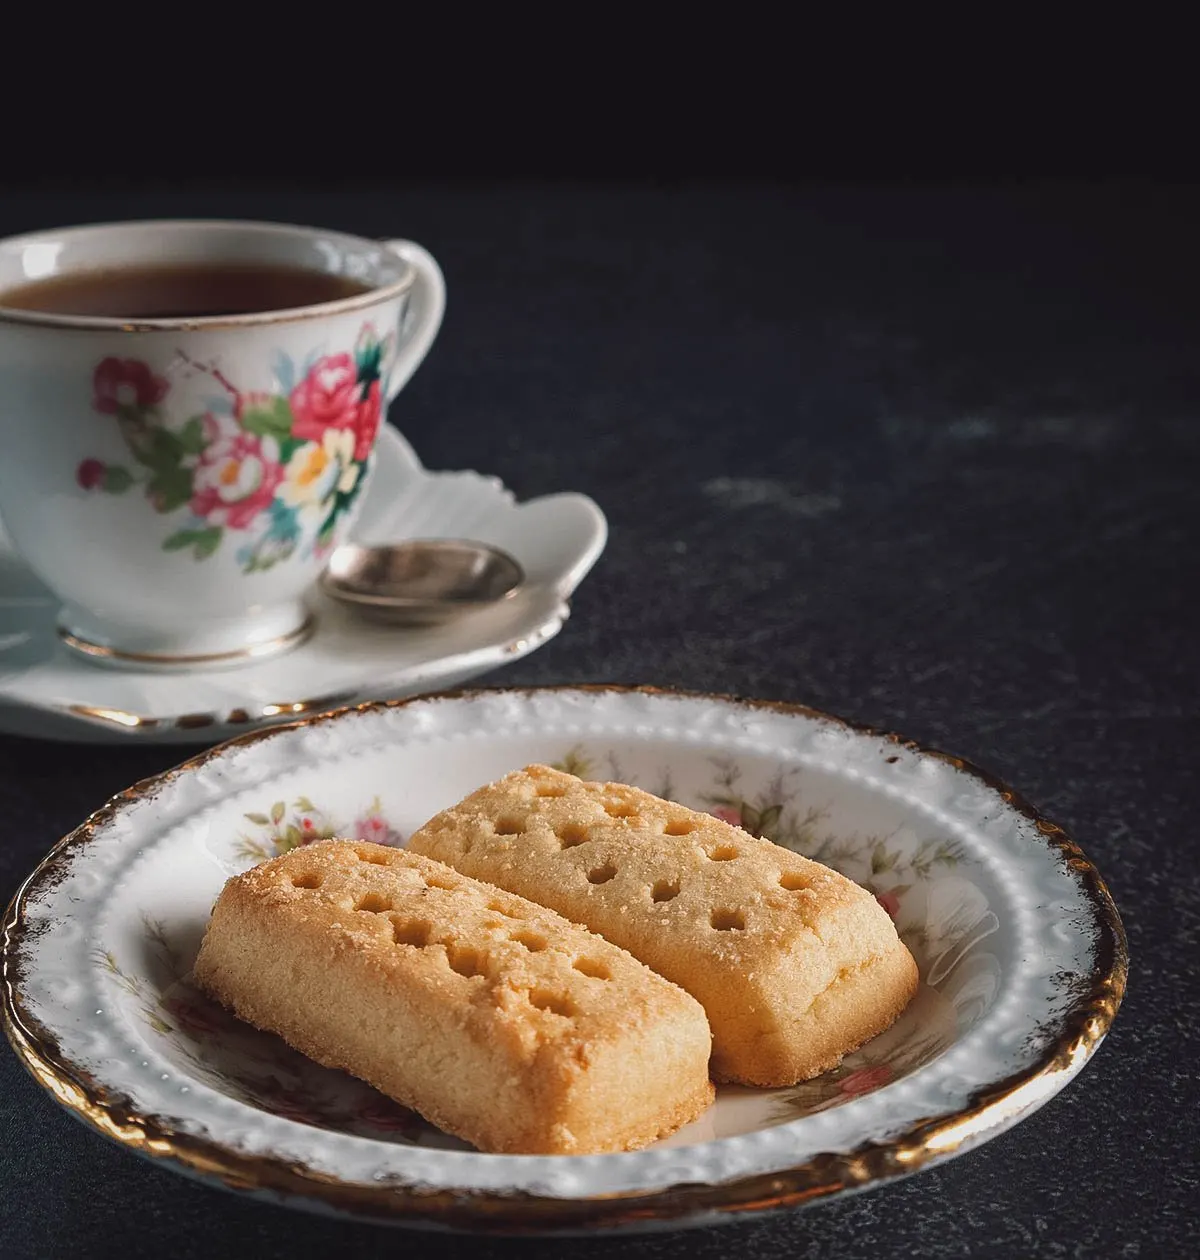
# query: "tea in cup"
(190, 411)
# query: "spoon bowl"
(421, 582)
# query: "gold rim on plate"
(1080, 1030)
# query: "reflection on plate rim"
(1080, 1029)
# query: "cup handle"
(423, 318)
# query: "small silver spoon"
(422, 582)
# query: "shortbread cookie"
(495, 1018)
(795, 964)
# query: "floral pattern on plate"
(274, 470)
(1022, 954)
(263, 1071)
(941, 918)
(288, 825)
(254, 1067)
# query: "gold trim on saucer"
(1092, 1006)
(193, 721)
(116, 717)
(98, 651)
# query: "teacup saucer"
(47, 691)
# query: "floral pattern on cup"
(270, 471)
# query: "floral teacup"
(178, 483)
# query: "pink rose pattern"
(374, 827)
(370, 412)
(90, 474)
(865, 1079)
(382, 1113)
(125, 383)
(890, 902)
(327, 398)
(226, 465)
(288, 825)
(197, 1016)
(235, 475)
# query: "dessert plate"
(1022, 958)
(47, 690)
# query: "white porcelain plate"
(47, 690)
(1022, 959)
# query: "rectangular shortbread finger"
(496, 1019)
(794, 964)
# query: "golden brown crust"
(795, 964)
(495, 1018)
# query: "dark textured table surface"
(925, 458)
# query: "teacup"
(179, 480)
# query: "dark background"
(916, 449)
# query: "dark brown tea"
(181, 291)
